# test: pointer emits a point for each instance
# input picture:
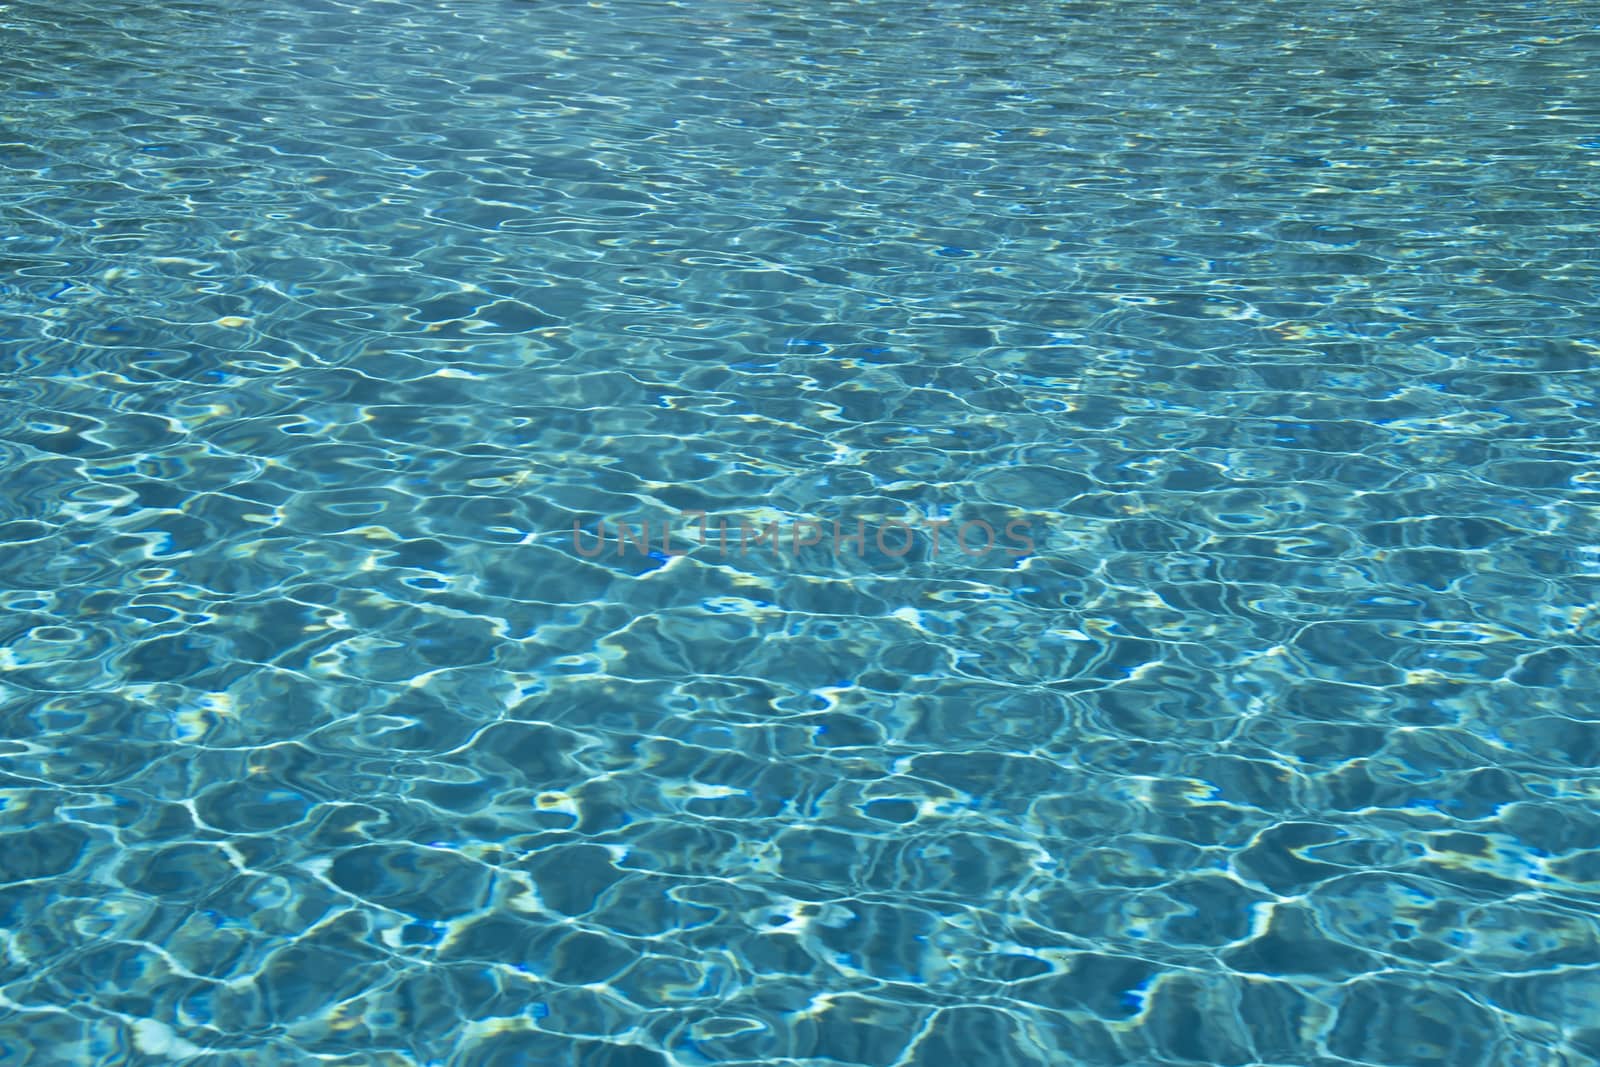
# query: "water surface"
(321, 741)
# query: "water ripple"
(322, 738)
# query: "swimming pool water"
(324, 740)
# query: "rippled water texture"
(322, 741)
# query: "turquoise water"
(1272, 739)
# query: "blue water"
(1271, 737)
